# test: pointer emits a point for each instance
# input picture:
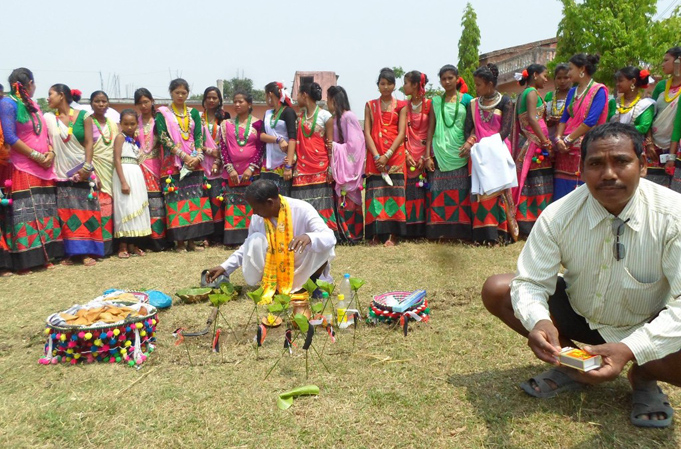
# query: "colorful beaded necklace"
(101, 130)
(184, 123)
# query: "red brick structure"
(515, 59)
(324, 79)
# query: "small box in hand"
(581, 360)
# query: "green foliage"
(302, 322)
(433, 92)
(325, 286)
(469, 43)
(317, 307)
(227, 292)
(310, 286)
(623, 32)
(275, 307)
(256, 295)
(44, 105)
(356, 283)
(241, 85)
(284, 300)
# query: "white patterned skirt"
(131, 212)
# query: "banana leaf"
(285, 400)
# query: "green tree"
(469, 44)
(623, 32)
(44, 105)
(242, 85)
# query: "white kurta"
(306, 220)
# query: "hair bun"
(594, 59)
(494, 69)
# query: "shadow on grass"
(595, 417)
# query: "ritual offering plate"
(102, 330)
(124, 295)
(194, 295)
(392, 306)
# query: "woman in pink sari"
(491, 113)
(586, 107)
(150, 162)
(212, 117)
(348, 156)
(415, 146)
(241, 151)
(533, 151)
(188, 210)
(32, 223)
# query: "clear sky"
(146, 43)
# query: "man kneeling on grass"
(288, 243)
(619, 241)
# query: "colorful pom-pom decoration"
(131, 344)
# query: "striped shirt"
(619, 299)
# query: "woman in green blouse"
(188, 210)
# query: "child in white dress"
(131, 203)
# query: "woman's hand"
(47, 162)
(125, 188)
(247, 174)
(283, 145)
(410, 160)
(381, 163)
(234, 177)
(83, 174)
(329, 145)
(561, 147)
(430, 165)
(288, 174)
(669, 168)
(465, 150)
(651, 152)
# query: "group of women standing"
(175, 177)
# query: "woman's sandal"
(139, 252)
(89, 262)
(123, 255)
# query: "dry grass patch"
(451, 383)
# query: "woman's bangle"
(672, 157)
(389, 154)
(377, 157)
(230, 168)
(288, 167)
(279, 139)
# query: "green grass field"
(451, 383)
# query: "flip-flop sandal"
(562, 381)
(647, 402)
(66, 262)
(89, 262)
(139, 252)
(123, 255)
(49, 266)
(6, 274)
